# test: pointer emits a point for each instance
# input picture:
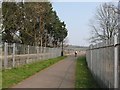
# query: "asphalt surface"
(59, 75)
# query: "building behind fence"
(103, 60)
(14, 55)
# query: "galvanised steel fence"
(103, 60)
(14, 55)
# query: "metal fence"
(14, 55)
(103, 60)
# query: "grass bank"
(84, 78)
(15, 75)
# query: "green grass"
(15, 75)
(84, 78)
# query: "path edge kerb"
(39, 72)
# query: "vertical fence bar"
(117, 56)
(13, 54)
(44, 55)
(24, 51)
(41, 53)
(106, 59)
(5, 55)
(115, 62)
(1, 53)
(119, 43)
(37, 53)
(91, 57)
(28, 52)
(1, 65)
(41, 49)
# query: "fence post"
(28, 52)
(5, 55)
(37, 53)
(116, 55)
(119, 44)
(41, 49)
(13, 54)
(91, 57)
(1, 53)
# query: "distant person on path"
(75, 53)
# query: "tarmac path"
(59, 75)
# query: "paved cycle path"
(59, 75)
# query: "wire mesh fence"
(14, 55)
(103, 61)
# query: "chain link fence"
(14, 55)
(103, 61)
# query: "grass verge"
(15, 75)
(84, 78)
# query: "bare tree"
(104, 26)
(116, 9)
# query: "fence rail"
(14, 55)
(103, 60)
